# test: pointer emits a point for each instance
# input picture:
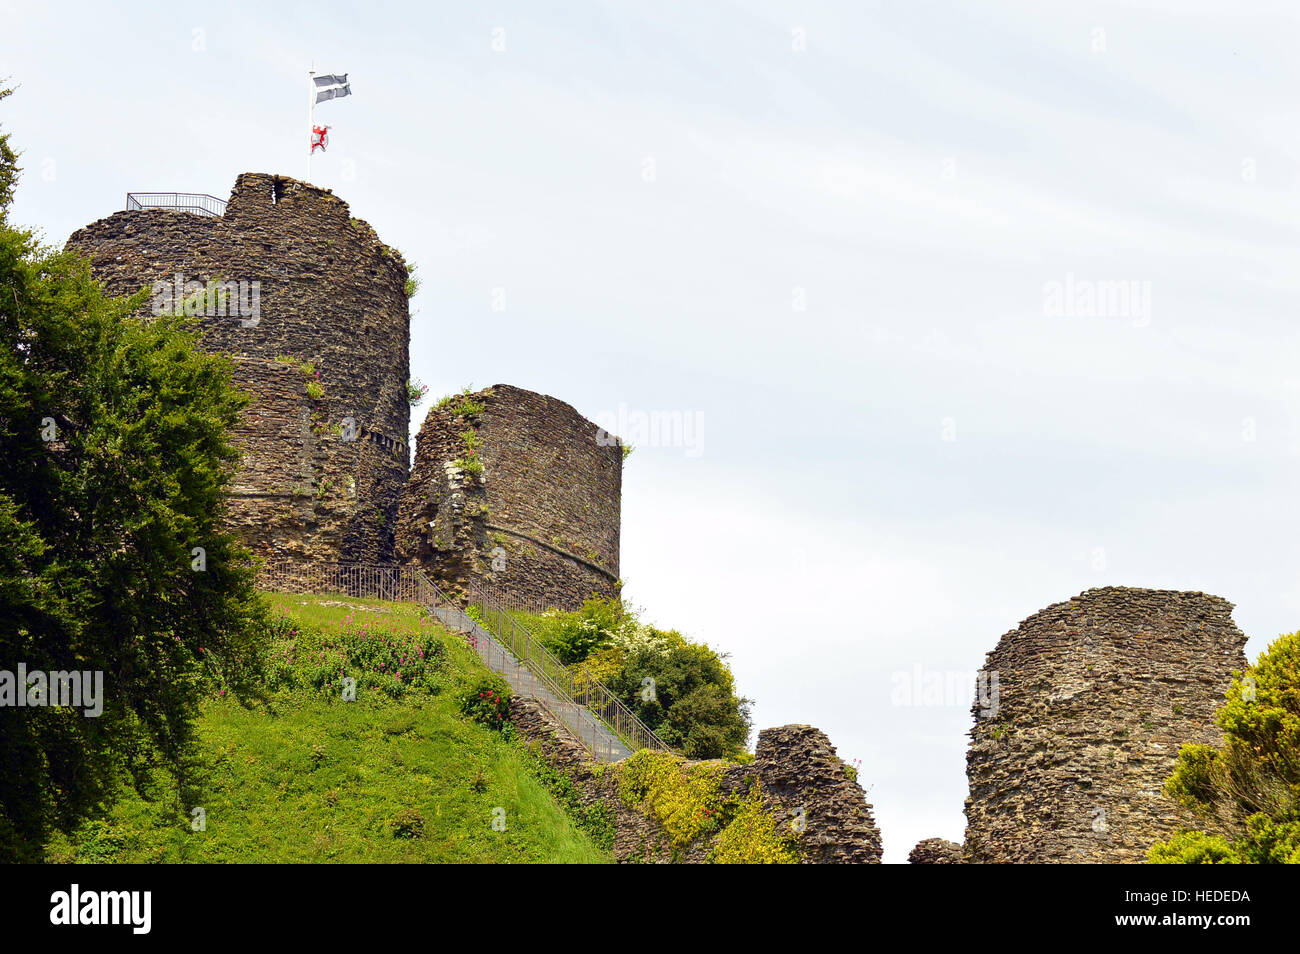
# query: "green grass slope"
(399, 775)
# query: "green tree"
(114, 463)
(683, 690)
(1250, 785)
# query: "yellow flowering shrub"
(687, 800)
(752, 838)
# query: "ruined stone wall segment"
(802, 775)
(1095, 697)
(549, 498)
(329, 291)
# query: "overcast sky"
(862, 248)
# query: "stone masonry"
(796, 764)
(325, 437)
(1095, 695)
(540, 522)
(935, 851)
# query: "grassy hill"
(399, 775)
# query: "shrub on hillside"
(389, 660)
(682, 690)
(488, 702)
(574, 636)
(407, 823)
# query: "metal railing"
(400, 584)
(585, 691)
(543, 675)
(196, 202)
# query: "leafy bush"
(1249, 786)
(574, 636)
(389, 659)
(488, 702)
(408, 823)
(682, 690)
(1193, 848)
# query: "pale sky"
(825, 234)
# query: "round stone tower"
(518, 490)
(1079, 717)
(312, 307)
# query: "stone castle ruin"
(313, 309)
(1095, 697)
(517, 490)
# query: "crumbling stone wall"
(330, 292)
(540, 522)
(1094, 697)
(800, 773)
(935, 851)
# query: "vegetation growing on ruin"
(753, 836)
(464, 403)
(467, 407)
(415, 391)
(688, 801)
(310, 372)
(470, 461)
(1251, 783)
(684, 798)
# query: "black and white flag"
(332, 87)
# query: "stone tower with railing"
(313, 309)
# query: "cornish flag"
(332, 87)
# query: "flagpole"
(311, 108)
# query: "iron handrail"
(199, 203)
(402, 583)
(583, 690)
